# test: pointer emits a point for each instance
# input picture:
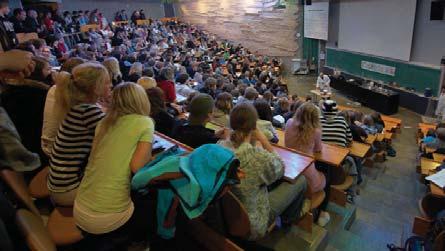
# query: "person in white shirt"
(440, 110)
(323, 83)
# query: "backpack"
(416, 243)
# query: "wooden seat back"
(235, 215)
(16, 183)
(24, 37)
(438, 157)
(34, 232)
(430, 205)
(439, 242)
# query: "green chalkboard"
(407, 74)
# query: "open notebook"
(438, 179)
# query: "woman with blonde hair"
(77, 112)
(122, 145)
(50, 120)
(303, 133)
(262, 192)
(114, 70)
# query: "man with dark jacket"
(31, 23)
(8, 40)
(18, 20)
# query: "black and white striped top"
(72, 147)
(335, 129)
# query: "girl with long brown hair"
(303, 133)
(262, 191)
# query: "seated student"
(439, 143)
(268, 97)
(368, 125)
(165, 82)
(209, 87)
(334, 127)
(147, 82)
(281, 107)
(78, 113)
(135, 72)
(358, 133)
(194, 133)
(181, 85)
(378, 122)
(164, 121)
(250, 95)
(429, 137)
(303, 133)
(24, 101)
(122, 145)
(51, 121)
(112, 65)
(264, 123)
(293, 108)
(262, 167)
(223, 106)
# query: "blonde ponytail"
(63, 95)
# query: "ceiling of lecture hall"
(254, 23)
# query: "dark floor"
(388, 199)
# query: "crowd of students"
(93, 122)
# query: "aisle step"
(297, 239)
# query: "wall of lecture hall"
(152, 8)
(429, 36)
(426, 51)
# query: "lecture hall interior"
(257, 125)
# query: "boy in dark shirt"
(8, 39)
(194, 133)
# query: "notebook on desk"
(438, 179)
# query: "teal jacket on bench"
(205, 171)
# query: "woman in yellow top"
(122, 145)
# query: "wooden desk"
(332, 154)
(358, 149)
(388, 135)
(437, 191)
(143, 22)
(390, 126)
(168, 142)
(328, 154)
(345, 108)
(380, 137)
(116, 23)
(427, 165)
(87, 27)
(393, 120)
(371, 139)
(294, 162)
(425, 127)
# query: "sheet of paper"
(438, 178)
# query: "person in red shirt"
(165, 82)
(48, 22)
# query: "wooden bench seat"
(62, 227)
(338, 194)
(38, 187)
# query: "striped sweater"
(72, 147)
(335, 130)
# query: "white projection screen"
(378, 27)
